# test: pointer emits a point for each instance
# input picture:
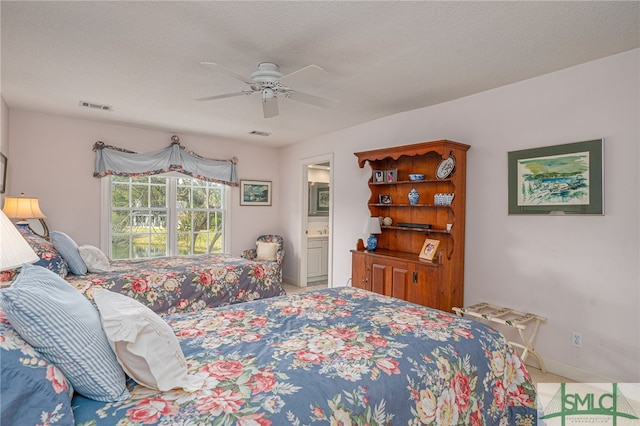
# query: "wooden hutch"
(395, 268)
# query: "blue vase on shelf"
(372, 242)
(372, 227)
(414, 196)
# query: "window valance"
(111, 160)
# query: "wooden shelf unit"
(395, 268)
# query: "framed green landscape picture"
(255, 193)
(560, 179)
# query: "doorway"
(316, 225)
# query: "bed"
(187, 283)
(164, 284)
(333, 356)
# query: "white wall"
(52, 159)
(581, 272)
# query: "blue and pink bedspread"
(335, 356)
(187, 283)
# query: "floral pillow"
(34, 392)
(49, 256)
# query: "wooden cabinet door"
(389, 277)
(314, 259)
(399, 279)
(402, 279)
(378, 277)
(422, 287)
(360, 275)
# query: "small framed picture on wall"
(255, 193)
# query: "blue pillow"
(31, 387)
(63, 326)
(68, 249)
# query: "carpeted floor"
(295, 289)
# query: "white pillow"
(266, 251)
(144, 344)
(95, 259)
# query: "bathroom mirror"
(318, 199)
(39, 227)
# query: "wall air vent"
(259, 133)
(94, 105)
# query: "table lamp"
(14, 249)
(22, 208)
(372, 227)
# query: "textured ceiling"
(143, 58)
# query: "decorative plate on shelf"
(445, 168)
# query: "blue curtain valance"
(111, 160)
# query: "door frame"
(304, 216)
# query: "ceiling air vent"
(94, 105)
(259, 133)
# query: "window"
(152, 216)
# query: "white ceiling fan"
(269, 82)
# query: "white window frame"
(105, 216)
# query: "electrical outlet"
(576, 339)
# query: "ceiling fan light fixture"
(266, 73)
(269, 83)
(268, 94)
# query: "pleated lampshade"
(14, 249)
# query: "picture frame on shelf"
(429, 249)
(391, 175)
(384, 199)
(255, 192)
(557, 180)
(378, 176)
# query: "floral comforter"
(187, 283)
(335, 356)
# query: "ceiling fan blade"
(228, 72)
(226, 95)
(310, 72)
(270, 108)
(313, 99)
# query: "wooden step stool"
(512, 318)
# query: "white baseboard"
(570, 372)
(290, 281)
